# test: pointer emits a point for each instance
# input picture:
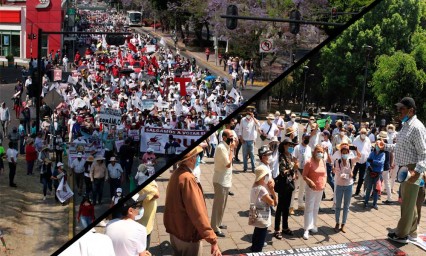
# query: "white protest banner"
(72, 80)
(233, 93)
(118, 144)
(156, 138)
(134, 134)
(110, 116)
(94, 148)
(150, 48)
(64, 192)
(148, 104)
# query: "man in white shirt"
(315, 136)
(363, 143)
(128, 236)
(222, 179)
(71, 123)
(77, 166)
(279, 121)
(115, 172)
(302, 153)
(268, 130)
(65, 63)
(248, 135)
(12, 158)
(295, 126)
(4, 117)
(91, 244)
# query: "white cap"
(150, 150)
(59, 164)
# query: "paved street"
(362, 224)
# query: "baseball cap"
(407, 102)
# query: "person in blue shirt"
(374, 165)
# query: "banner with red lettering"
(156, 138)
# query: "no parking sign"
(266, 45)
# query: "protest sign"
(134, 134)
(420, 241)
(156, 138)
(182, 84)
(63, 192)
(150, 48)
(148, 104)
(371, 247)
(94, 149)
(231, 108)
(110, 116)
(118, 144)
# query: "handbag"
(263, 137)
(258, 216)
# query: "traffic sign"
(266, 45)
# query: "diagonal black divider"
(336, 32)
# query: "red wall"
(49, 19)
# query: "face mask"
(293, 119)
(342, 134)
(405, 119)
(390, 131)
(291, 150)
(248, 116)
(345, 156)
(377, 148)
(270, 159)
(306, 142)
(140, 214)
(118, 193)
(363, 136)
(320, 155)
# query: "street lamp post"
(305, 69)
(367, 49)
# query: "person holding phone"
(343, 171)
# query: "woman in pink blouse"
(315, 176)
(343, 176)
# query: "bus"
(134, 18)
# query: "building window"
(44, 42)
(10, 43)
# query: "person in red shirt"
(77, 58)
(86, 212)
(30, 156)
(88, 52)
(115, 71)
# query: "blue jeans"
(343, 193)
(85, 221)
(248, 149)
(330, 176)
(47, 183)
(258, 239)
(370, 184)
(213, 149)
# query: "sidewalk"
(362, 224)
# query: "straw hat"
(270, 116)
(195, 151)
(344, 144)
(274, 139)
(383, 135)
(90, 159)
(112, 159)
(260, 172)
(99, 158)
(289, 131)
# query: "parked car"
(334, 117)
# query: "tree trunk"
(208, 30)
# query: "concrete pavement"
(362, 224)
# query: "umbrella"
(209, 78)
(52, 98)
(126, 71)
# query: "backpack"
(350, 162)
